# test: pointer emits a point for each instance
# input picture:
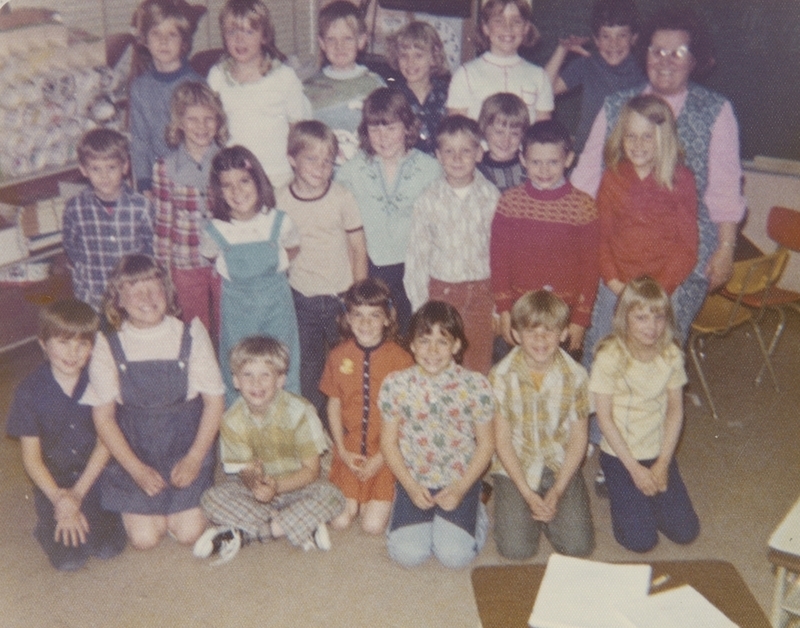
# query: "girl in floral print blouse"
(437, 439)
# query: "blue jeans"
(637, 518)
(392, 276)
(434, 533)
(317, 326)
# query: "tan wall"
(771, 182)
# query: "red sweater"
(546, 238)
(646, 229)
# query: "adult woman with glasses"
(678, 48)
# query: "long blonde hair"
(669, 151)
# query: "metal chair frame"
(720, 315)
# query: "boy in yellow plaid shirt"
(272, 440)
(541, 433)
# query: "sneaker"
(222, 540)
(600, 488)
(322, 538)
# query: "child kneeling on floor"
(437, 438)
(541, 433)
(272, 441)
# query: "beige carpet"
(742, 477)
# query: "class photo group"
(303, 306)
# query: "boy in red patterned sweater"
(545, 234)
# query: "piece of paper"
(578, 593)
(676, 608)
(786, 537)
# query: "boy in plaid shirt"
(272, 440)
(540, 435)
(107, 220)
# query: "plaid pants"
(298, 513)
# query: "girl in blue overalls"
(157, 397)
(253, 243)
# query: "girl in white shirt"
(504, 26)
(261, 95)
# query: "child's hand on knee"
(449, 497)
(369, 467)
(645, 480)
(549, 506)
(149, 480)
(421, 497)
(660, 471)
(185, 471)
(71, 524)
(536, 505)
(355, 462)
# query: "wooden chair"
(720, 314)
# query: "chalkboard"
(757, 46)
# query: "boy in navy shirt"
(60, 450)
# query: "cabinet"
(19, 302)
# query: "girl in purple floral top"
(437, 439)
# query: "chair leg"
(696, 359)
(765, 354)
(774, 342)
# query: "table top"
(505, 593)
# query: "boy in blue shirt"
(60, 450)
(608, 69)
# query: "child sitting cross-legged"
(60, 449)
(272, 441)
(541, 433)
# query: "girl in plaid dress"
(196, 131)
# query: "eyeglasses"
(231, 31)
(680, 53)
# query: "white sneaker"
(322, 538)
(231, 542)
(204, 546)
(223, 540)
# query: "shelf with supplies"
(33, 267)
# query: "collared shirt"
(290, 433)
(430, 113)
(386, 209)
(490, 74)
(96, 238)
(181, 211)
(639, 394)
(65, 430)
(449, 237)
(540, 417)
(437, 418)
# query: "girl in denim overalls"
(157, 397)
(253, 243)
